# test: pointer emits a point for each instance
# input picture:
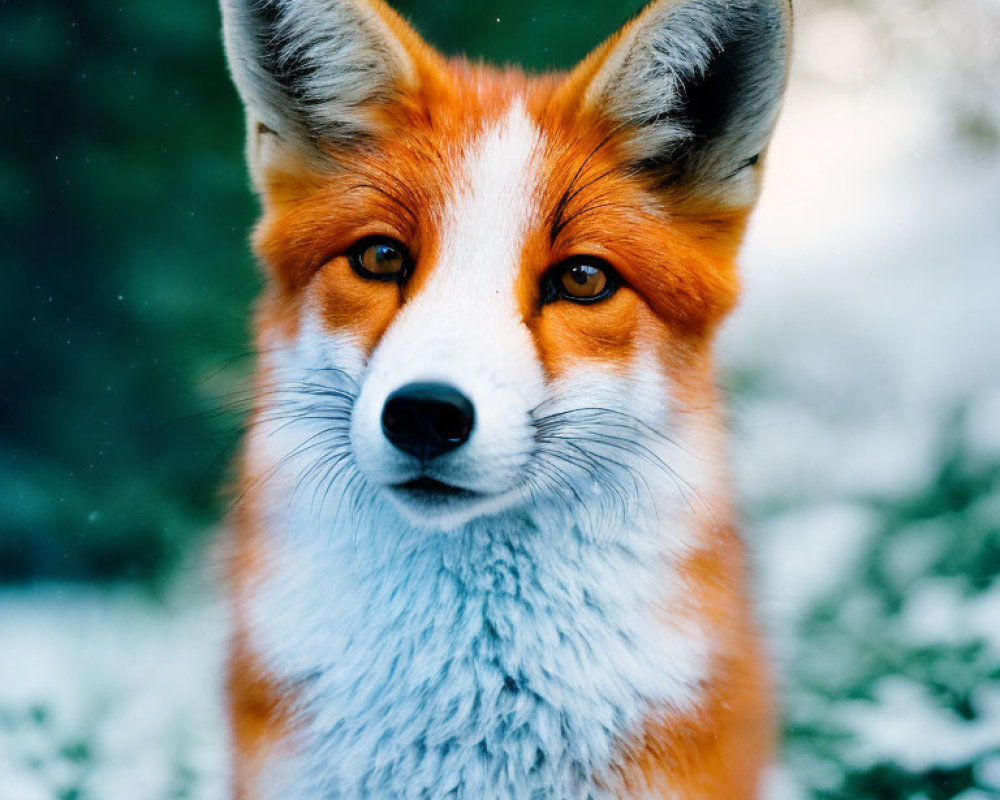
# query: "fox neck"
(512, 646)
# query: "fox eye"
(582, 279)
(379, 258)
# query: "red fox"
(485, 549)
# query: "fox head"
(491, 295)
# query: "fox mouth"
(432, 504)
(428, 489)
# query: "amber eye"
(379, 258)
(582, 279)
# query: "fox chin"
(484, 548)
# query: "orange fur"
(259, 708)
(719, 749)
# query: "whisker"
(300, 402)
(568, 195)
(585, 440)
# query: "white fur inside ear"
(312, 69)
(642, 81)
(698, 84)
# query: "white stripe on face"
(486, 222)
(464, 328)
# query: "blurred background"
(863, 368)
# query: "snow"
(982, 423)
(780, 784)
(110, 693)
(904, 726)
(938, 612)
(869, 319)
(988, 772)
(804, 554)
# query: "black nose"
(427, 419)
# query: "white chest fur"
(502, 662)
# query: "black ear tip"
(746, 64)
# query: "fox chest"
(480, 670)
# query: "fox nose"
(427, 420)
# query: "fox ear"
(312, 72)
(696, 85)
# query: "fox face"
(509, 286)
(484, 471)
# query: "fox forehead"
(487, 213)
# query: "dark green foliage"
(539, 35)
(125, 213)
(889, 782)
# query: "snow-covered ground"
(865, 369)
(109, 694)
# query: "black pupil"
(582, 273)
(386, 255)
